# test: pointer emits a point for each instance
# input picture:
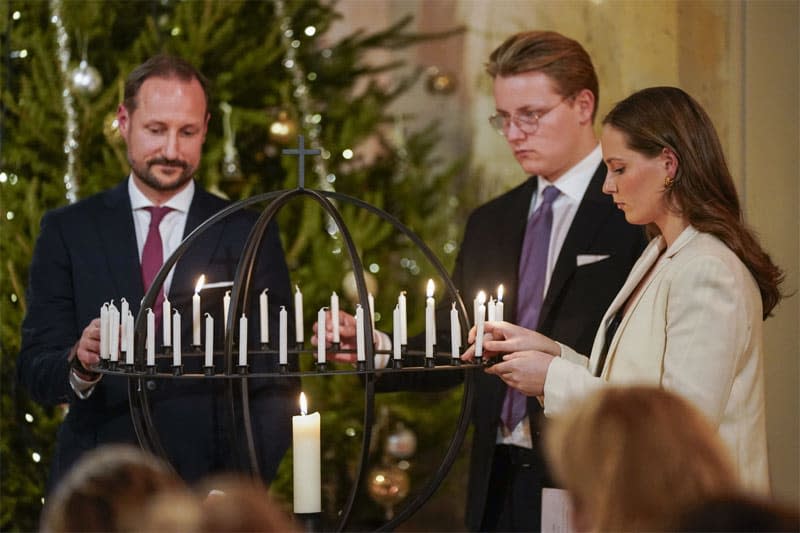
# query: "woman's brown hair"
(702, 190)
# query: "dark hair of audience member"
(107, 490)
(738, 514)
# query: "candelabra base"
(242, 369)
(151, 370)
(397, 363)
(478, 360)
(335, 347)
(103, 363)
(429, 363)
(113, 365)
(309, 522)
(455, 361)
(128, 368)
(208, 370)
(177, 370)
(264, 346)
(322, 367)
(167, 350)
(197, 348)
(361, 366)
(284, 368)
(300, 346)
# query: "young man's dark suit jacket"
(576, 300)
(85, 255)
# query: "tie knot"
(157, 213)
(549, 194)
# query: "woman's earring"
(668, 181)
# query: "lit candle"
(104, 331)
(129, 338)
(360, 333)
(371, 301)
(401, 302)
(226, 305)
(113, 335)
(306, 460)
(491, 309)
(396, 327)
(209, 340)
(151, 337)
(166, 317)
(334, 316)
(283, 337)
(321, 335)
(298, 315)
(243, 341)
(498, 311)
(196, 311)
(479, 321)
(176, 344)
(263, 305)
(430, 321)
(455, 332)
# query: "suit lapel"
(593, 209)
(118, 240)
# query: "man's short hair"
(563, 59)
(161, 66)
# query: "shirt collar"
(179, 202)
(575, 181)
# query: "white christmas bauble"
(401, 443)
(85, 79)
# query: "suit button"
(151, 384)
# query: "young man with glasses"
(546, 93)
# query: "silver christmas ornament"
(85, 79)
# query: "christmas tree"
(274, 76)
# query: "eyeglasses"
(526, 121)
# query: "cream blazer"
(693, 328)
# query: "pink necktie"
(532, 274)
(153, 256)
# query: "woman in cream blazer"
(689, 316)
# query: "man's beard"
(144, 173)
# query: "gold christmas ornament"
(440, 82)
(387, 486)
(111, 130)
(284, 129)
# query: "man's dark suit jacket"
(576, 300)
(85, 255)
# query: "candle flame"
(297, 288)
(500, 293)
(481, 297)
(200, 282)
(431, 288)
(303, 404)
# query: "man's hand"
(525, 371)
(347, 337)
(87, 349)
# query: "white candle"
(298, 315)
(151, 337)
(475, 305)
(263, 308)
(243, 340)
(306, 460)
(196, 311)
(491, 309)
(430, 321)
(321, 335)
(371, 301)
(104, 331)
(498, 310)
(176, 344)
(334, 316)
(401, 302)
(283, 337)
(479, 321)
(209, 340)
(166, 317)
(226, 305)
(396, 332)
(113, 335)
(123, 315)
(360, 354)
(129, 338)
(455, 332)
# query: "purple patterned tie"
(153, 257)
(532, 274)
